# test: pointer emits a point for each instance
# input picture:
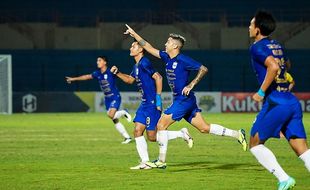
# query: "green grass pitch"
(84, 151)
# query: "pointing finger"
(127, 26)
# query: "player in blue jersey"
(281, 110)
(112, 98)
(178, 68)
(149, 83)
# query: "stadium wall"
(209, 102)
(229, 71)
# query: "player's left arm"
(201, 73)
(146, 45)
(159, 87)
(272, 70)
(291, 86)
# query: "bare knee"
(151, 138)
(110, 115)
(254, 141)
(138, 132)
(204, 129)
(164, 122)
(161, 126)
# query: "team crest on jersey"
(174, 65)
(105, 76)
(137, 71)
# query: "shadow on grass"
(188, 166)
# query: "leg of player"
(153, 137)
(302, 150)
(119, 126)
(267, 159)
(184, 134)
(162, 137)
(199, 123)
(141, 146)
(121, 113)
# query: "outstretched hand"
(69, 80)
(187, 89)
(257, 97)
(114, 70)
(129, 31)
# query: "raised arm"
(159, 87)
(82, 77)
(147, 46)
(272, 70)
(124, 77)
(201, 72)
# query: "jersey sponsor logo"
(105, 76)
(174, 65)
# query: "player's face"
(135, 49)
(170, 44)
(252, 29)
(101, 63)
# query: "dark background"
(229, 70)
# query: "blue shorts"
(183, 108)
(148, 115)
(112, 102)
(274, 118)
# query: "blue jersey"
(177, 72)
(107, 83)
(278, 91)
(143, 72)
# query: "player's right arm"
(272, 70)
(82, 77)
(124, 77)
(159, 87)
(147, 46)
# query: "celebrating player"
(112, 98)
(178, 68)
(281, 110)
(149, 84)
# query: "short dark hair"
(143, 50)
(103, 57)
(178, 37)
(265, 22)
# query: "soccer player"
(281, 110)
(178, 68)
(112, 98)
(149, 83)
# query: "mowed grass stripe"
(84, 151)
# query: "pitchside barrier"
(214, 102)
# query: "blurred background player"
(281, 110)
(290, 80)
(178, 68)
(112, 98)
(149, 83)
